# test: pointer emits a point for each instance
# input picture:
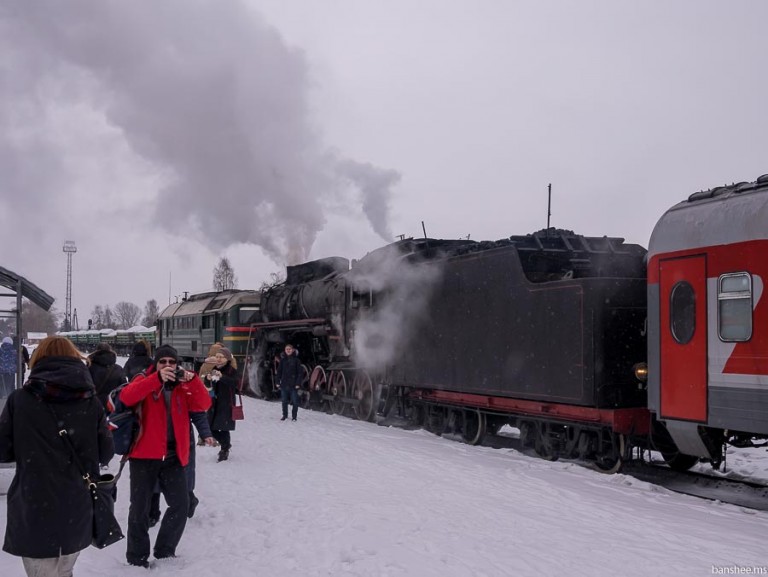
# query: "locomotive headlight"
(641, 371)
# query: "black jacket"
(224, 390)
(106, 375)
(49, 505)
(138, 362)
(290, 373)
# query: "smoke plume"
(403, 290)
(204, 92)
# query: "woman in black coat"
(222, 381)
(49, 505)
(139, 360)
(106, 374)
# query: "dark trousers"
(154, 510)
(7, 384)
(145, 473)
(224, 438)
(291, 394)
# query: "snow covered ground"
(330, 496)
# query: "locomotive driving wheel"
(338, 389)
(611, 461)
(318, 383)
(474, 427)
(304, 391)
(362, 390)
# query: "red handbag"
(237, 409)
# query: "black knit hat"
(164, 352)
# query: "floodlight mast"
(69, 248)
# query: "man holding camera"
(164, 397)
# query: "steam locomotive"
(588, 345)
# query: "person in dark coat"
(49, 505)
(290, 375)
(222, 382)
(24, 363)
(139, 361)
(8, 361)
(106, 374)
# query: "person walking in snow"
(166, 394)
(107, 375)
(222, 381)
(8, 359)
(49, 505)
(290, 375)
(139, 360)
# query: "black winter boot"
(193, 503)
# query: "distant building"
(35, 338)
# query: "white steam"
(403, 290)
(203, 91)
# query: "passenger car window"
(734, 307)
(682, 312)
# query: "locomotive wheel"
(611, 463)
(362, 388)
(339, 391)
(542, 443)
(318, 383)
(434, 420)
(664, 444)
(678, 461)
(304, 390)
(415, 415)
(474, 427)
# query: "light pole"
(70, 249)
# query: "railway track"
(741, 492)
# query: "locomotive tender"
(541, 331)
(546, 332)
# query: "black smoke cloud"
(204, 91)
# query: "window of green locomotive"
(207, 322)
(734, 307)
(245, 315)
(216, 304)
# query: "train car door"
(683, 310)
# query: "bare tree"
(151, 312)
(275, 278)
(224, 275)
(108, 321)
(127, 314)
(36, 320)
(97, 317)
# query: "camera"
(179, 374)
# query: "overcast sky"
(160, 135)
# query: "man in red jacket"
(165, 398)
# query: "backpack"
(123, 421)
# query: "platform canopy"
(25, 288)
(21, 287)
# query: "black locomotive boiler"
(542, 332)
